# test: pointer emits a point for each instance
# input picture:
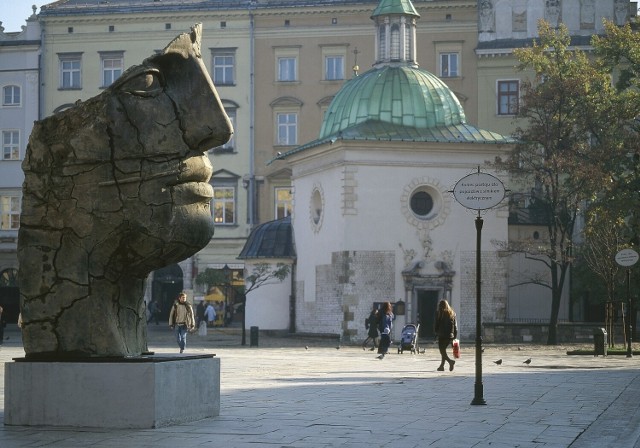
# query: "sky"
(14, 13)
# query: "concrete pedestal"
(145, 392)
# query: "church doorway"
(167, 284)
(427, 305)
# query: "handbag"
(456, 348)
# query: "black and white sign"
(627, 257)
(479, 191)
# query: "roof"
(386, 7)
(273, 239)
(400, 95)
(80, 7)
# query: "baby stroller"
(409, 338)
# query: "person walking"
(371, 325)
(385, 324)
(154, 311)
(446, 329)
(210, 315)
(200, 313)
(181, 320)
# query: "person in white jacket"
(210, 314)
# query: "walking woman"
(385, 324)
(371, 324)
(446, 328)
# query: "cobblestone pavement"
(304, 392)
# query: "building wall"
(138, 36)
(356, 255)
(19, 66)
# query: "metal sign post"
(479, 191)
(627, 258)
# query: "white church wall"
(359, 252)
(267, 307)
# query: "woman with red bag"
(446, 328)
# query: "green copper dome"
(404, 96)
(386, 7)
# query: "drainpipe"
(252, 175)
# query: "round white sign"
(479, 191)
(627, 257)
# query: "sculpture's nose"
(203, 120)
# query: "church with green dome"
(373, 216)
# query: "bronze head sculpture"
(115, 188)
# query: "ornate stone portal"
(114, 188)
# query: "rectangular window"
(9, 212)
(223, 67)
(448, 65)
(287, 128)
(11, 96)
(508, 96)
(10, 145)
(112, 65)
(287, 69)
(70, 71)
(224, 204)
(283, 202)
(334, 68)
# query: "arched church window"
(383, 42)
(395, 42)
(407, 43)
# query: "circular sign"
(479, 191)
(627, 257)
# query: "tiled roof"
(77, 7)
(273, 239)
(399, 95)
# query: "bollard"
(599, 342)
(253, 337)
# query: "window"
(334, 68)
(112, 64)
(283, 202)
(395, 42)
(224, 204)
(449, 65)
(70, 71)
(287, 69)
(230, 146)
(223, 66)
(287, 128)
(508, 92)
(11, 96)
(11, 145)
(9, 212)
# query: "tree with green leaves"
(562, 147)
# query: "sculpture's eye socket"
(147, 84)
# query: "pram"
(409, 338)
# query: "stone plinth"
(142, 392)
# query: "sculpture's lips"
(190, 192)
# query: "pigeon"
(306, 347)
(422, 351)
(338, 347)
(499, 362)
(528, 361)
